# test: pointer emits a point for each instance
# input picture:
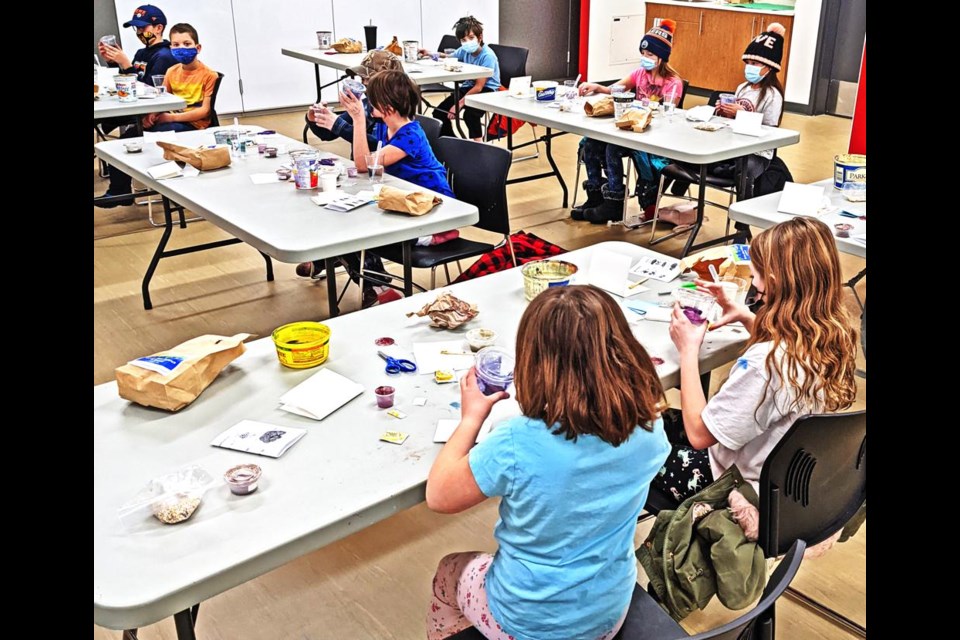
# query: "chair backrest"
(759, 621)
(683, 94)
(431, 127)
(478, 175)
(813, 481)
(513, 62)
(214, 119)
(448, 41)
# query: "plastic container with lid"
(494, 369)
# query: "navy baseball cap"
(145, 16)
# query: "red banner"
(858, 135)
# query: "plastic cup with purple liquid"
(494, 369)
(696, 305)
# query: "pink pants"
(460, 599)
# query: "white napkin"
(700, 114)
(320, 395)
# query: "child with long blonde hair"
(800, 359)
(573, 472)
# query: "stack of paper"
(259, 437)
(320, 395)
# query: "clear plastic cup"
(109, 41)
(449, 52)
(736, 288)
(727, 98)
(374, 168)
(385, 396)
(696, 306)
(570, 90)
(158, 84)
(494, 369)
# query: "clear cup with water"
(374, 168)
(570, 90)
(158, 84)
(449, 52)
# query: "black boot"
(610, 210)
(594, 199)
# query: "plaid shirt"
(526, 247)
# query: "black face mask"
(146, 37)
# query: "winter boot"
(610, 210)
(594, 199)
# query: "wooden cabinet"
(708, 42)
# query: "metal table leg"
(334, 308)
(408, 268)
(546, 138)
(456, 105)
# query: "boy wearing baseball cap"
(154, 58)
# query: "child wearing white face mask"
(656, 79)
(472, 50)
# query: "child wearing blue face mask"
(656, 79)
(191, 80)
(472, 50)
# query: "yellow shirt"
(192, 86)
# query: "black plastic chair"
(431, 128)
(446, 42)
(513, 64)
(646, 620)
(214, 119)
(478, 175)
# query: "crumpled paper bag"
(597, 108)
(394, 47)
(416, 203)
(202, 159)
(635, 119)
(347, 45)
(201, 360)
(447, 312)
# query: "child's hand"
(729, 110)
(686, 336)
(353, 106)
(474, 406)
(115, 55)
(587, 88)
(732, 310)
(149, 120)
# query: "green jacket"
(699, 550)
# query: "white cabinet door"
(213, 20)
(399, 18)
(439, 16)
(272, 80)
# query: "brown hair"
(393, 89)
(803, 313)
(183, 27)
(664, 70)
(466, 25)
(580, 369)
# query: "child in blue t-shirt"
(572, 471)
(405, 152)
(472, 50)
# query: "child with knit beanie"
(654, 78)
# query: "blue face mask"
(184, 55)
(752, 73)
(470, 46)
(648, 63)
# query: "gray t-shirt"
(747, 422)
(771, 107)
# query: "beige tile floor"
(375, 584)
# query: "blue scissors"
(395, 365)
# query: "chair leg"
(459, 268)
(446, 270)
(656, 210)
(433, 277)
(576, 181)
(363, 261)
(513, 256)
(726, 230)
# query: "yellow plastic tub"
(301, 345)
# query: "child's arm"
(688, 337)
(589, 88)
(451, 486)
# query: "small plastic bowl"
(133, 147)
(243, 478)
(539, 275)
(696, 305)
(480, 338)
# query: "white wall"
(439, 16)
(803, 49)
(599, 68)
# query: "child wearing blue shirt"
(573, 472)
(472, 50)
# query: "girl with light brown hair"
(572, 471)
(800, 359)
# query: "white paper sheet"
(748, 123)
(320, 395)
(800, 199)
(608, 270)
(264, 178)
(160, 136)
(429, 359)
(259, 437)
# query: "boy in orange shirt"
(191, 80)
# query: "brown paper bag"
(635, 119)
(347, 45)
(601, 107)
(394, 47)
(202, 360)
(202, 159)
(416, 203)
